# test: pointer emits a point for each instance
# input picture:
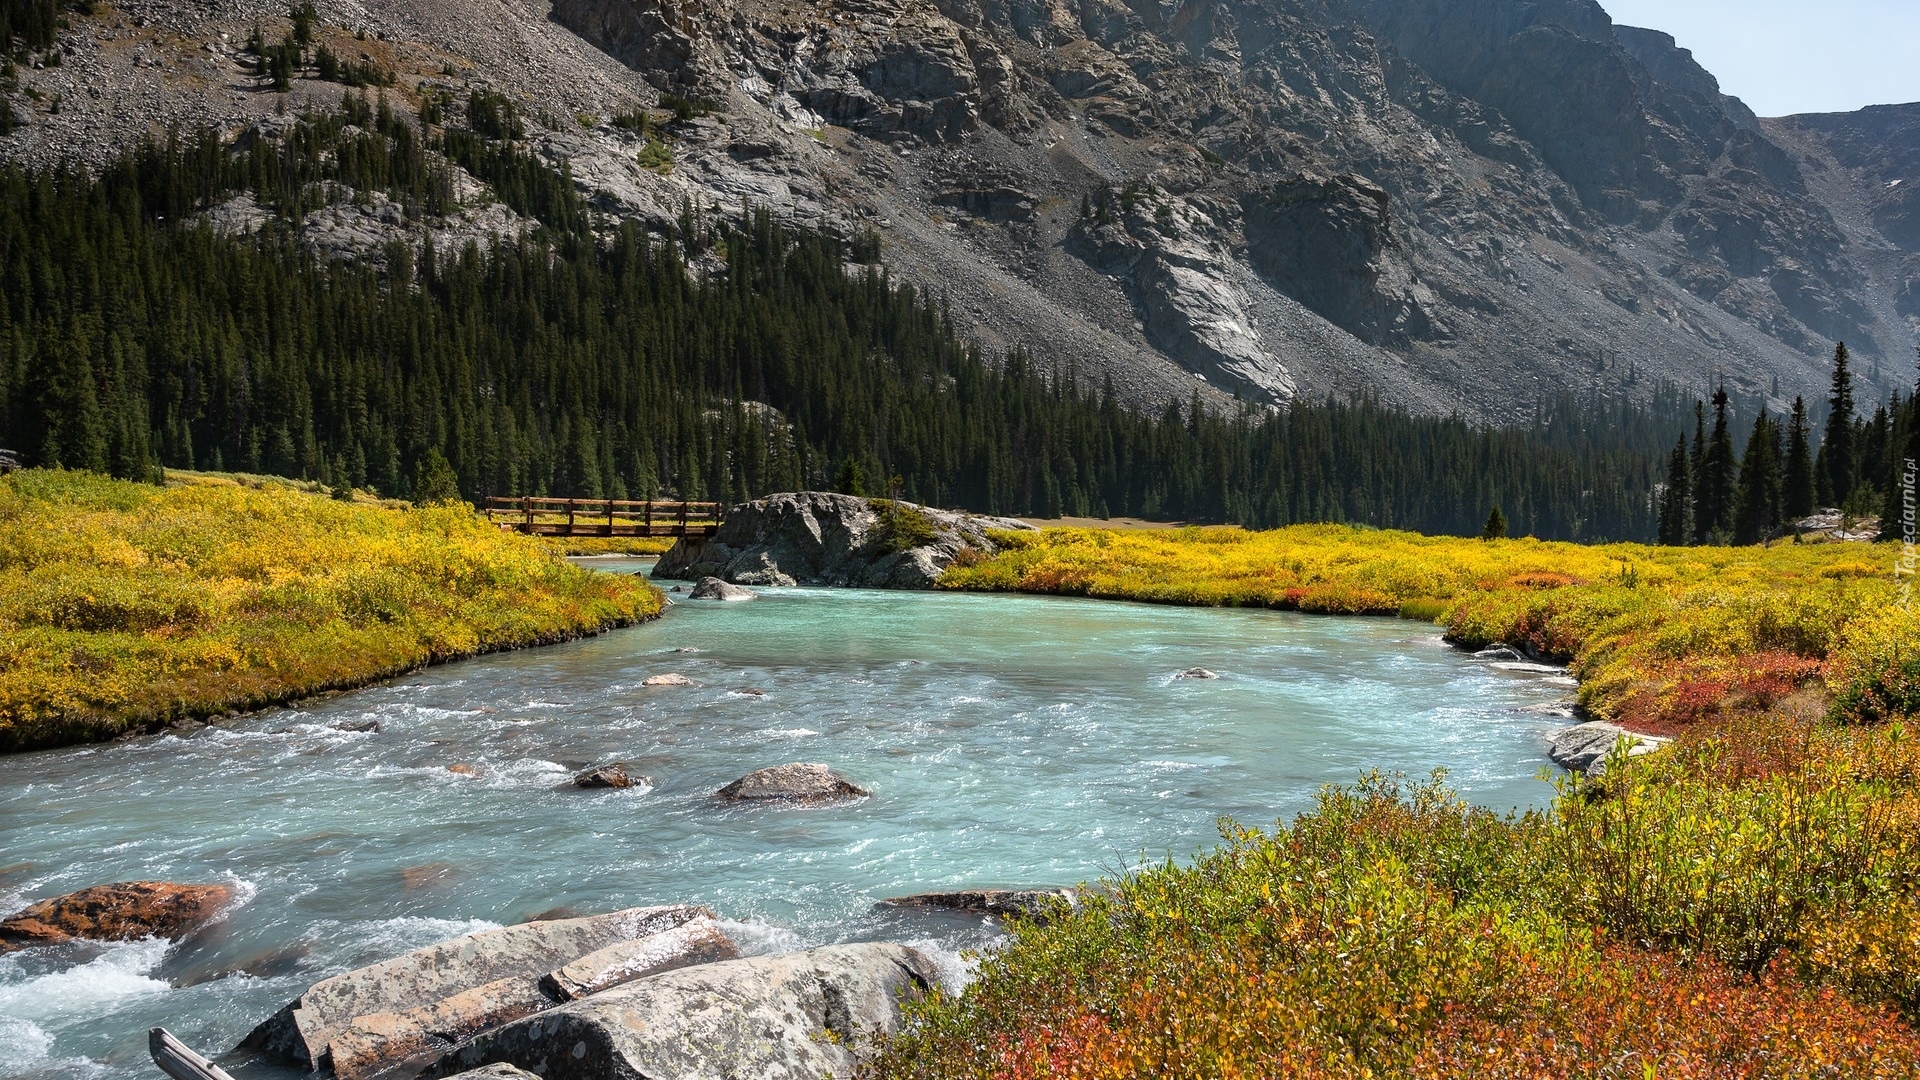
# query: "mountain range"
(1456, 206)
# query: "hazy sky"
(1795, 56)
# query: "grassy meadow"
(1744, 904)
(124, 606)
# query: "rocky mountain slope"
(1459, 205)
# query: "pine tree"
(1714, 501)
(1757, 503)
(1496, 526)
(1676, 503)
(1798, 488)
(1697, 465)
(1837, 449)
(434, 482)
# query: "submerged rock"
(1034, 904)
(124, 911)
(801, 782)
(1500, 652)
(712, 588)
(461, 768)
(1197, 673)
(1583, 748)
(361, 726)
(823, 538)
(365, 1020)
(800, 1016)
(671, 678)
(611, 775)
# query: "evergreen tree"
(1697, 464)
(1676, 502)
(1496, 526)
(1757, 504)
(1837, 448)
(1798, 488)
(1714, 502)
(434, 482)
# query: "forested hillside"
(587, 357)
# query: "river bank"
(126, 607)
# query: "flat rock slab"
(801, 1016)
(671, 678)
(304, 1030)
(800, 782)
(1034, 904)
(698, 942)
(124, 911)
(1583, 748)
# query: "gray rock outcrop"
(1583, 748)
(712, 588)
(1034, 904)
(824, 538)
(419, 1004)
(800, 1016)
(494, 1072)
(800, 782)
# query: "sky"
(1795, 56)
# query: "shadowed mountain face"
(1458, 205)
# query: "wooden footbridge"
(604, 517)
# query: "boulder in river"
(824, 538)
(1500, 652)
(125, 911)
(611, 775)
(1197, 673)
(799, 1016)
(358, 726)
(712, 588)
(420, 1003)
(1583, 748)
(671, 678)
(800, 782)
(1034, 904)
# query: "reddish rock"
(125, 911)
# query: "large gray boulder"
(800, 782)
(801, 1016)
(824, 538)
(712, 588)
(1583, 748)
(365, 1020)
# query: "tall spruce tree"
(1797, 483)
(1904, 470)
(1697, 464)
(1837, 448)
(1715, 499)
(1757, 503)
(1676, 503)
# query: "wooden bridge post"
(609, 517)
(649, 517)
(683, 517)
(569, 517)
(526, 503)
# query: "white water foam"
(757, 937)
(86, 989)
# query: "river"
(1007, 740)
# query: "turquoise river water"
(1007, 740)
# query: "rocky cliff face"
(1453, 204)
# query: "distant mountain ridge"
(1455, 205)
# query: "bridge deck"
(604, 517)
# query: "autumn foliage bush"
(125, 605)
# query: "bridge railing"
(604, 517)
